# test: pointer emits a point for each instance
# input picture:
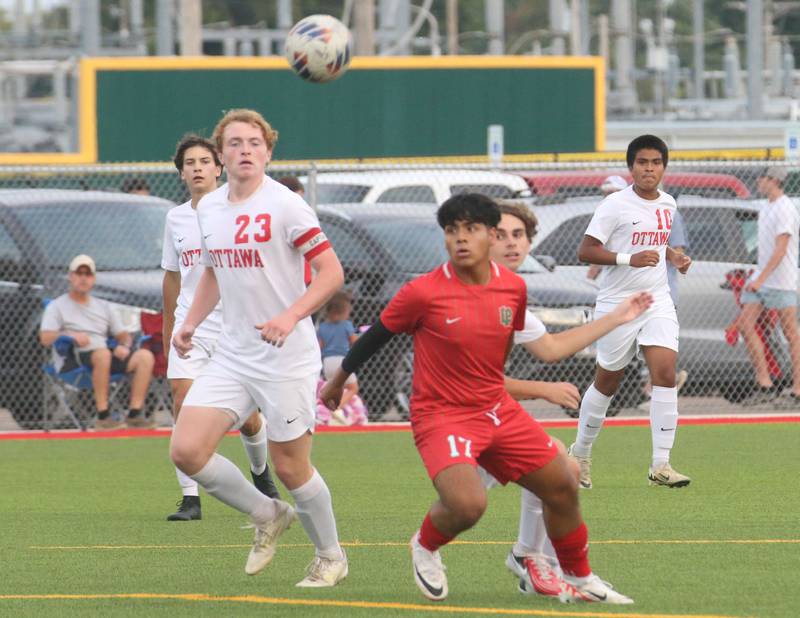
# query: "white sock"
(532, 533)
(256, 447)
(188, 484)
(315, 509)
(594, 406)
(663, 422)
(223, 480)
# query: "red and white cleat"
(538, 576)
(591, 590)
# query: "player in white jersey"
(256, 234)
(629, 235)
(532, 557)
(199, 167)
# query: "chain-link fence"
(381, 222)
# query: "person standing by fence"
(773, 285)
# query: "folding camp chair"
(69, 394)
(159, 396)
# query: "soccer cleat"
(265, 484)
(760, 394)
(516, 564)
(666, 476)
(324, 572)
(538, 576)
(108, 424)
(141, 422)
(338, 417)
(788, 401)
(266, 538)
(593, 590)
(428, 571)
(585, 464)
(188, 510)
(680, 379)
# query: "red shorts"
(507, 442)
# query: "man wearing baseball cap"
(773, 285)
(90, 321)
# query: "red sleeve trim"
(317, 250)
(304, 238)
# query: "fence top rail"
(305, 166)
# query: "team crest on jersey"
(506, 315)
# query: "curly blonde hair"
(249, 116)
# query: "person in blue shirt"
(336, 334)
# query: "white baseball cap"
(82, 260)
(613, 183)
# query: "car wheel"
(23, 387)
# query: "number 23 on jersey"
(260, 229)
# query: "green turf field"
(87, 518)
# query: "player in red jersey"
(463, 316)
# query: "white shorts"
(617, 349)
(288, 406)
(189, 368)
(331, 364)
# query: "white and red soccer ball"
(318, 48)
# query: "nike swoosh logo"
(182, 238)
(289, 422)
(672, 429)
(434, 591)
(636, 222)
(549, 444)
(599, 597)
(452, 320)
(593, 426)
(207, 235)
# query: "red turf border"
(393, 427)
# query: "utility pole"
(755, 58)
(495, 26)
(90, 27)
(698, 42)
(452, 27)
(165, 36)
(191, 20)
(364, 22)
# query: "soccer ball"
(318, 48)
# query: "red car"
(577, 183)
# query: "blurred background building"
(684, 69)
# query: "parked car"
(41, 230)
(407, 186)
(557, 186)
(723, 236)
(382, 247)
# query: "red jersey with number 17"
(461, 335)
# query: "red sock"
(429, 537)
(573, 552)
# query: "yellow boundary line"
(87, 142)
(357, 544)
(415, 607)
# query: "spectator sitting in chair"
(89, 321)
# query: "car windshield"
(119, 236)
(330, 193)
(530, 265)
(418, 246)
